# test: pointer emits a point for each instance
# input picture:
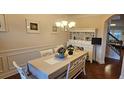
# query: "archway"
(114, 35)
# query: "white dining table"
(50, 67)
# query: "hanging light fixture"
(58, 24)
(71, 24)
(65, 24)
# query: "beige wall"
(17, 37)
(98, 22)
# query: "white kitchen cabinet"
(81, 37)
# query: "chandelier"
(65, 25)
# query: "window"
(117, 35)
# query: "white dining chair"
(46, 52)
(84, 68)
(68, 70)
(23, 72)
(71, 68)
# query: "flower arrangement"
(61, 52)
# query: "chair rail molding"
(22, 57)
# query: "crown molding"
(82, 15)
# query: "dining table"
(51, 67)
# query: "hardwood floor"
(16, 76)
(110, 70)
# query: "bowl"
(59, 56)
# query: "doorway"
(115, 41)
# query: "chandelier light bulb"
(62, 25)
(65, 23)
(72, 24)
(58, 24)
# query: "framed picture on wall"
(2, 23)
(32, 26)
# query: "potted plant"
(70, 49)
